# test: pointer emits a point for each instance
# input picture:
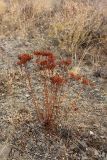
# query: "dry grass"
(20, 17)
(2, 7)
(78, 28)
(72, 26)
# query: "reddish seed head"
(51, 66)
(48, 64)
(72, 75)
(24, 57)
(51, 58)
(77, 77)
(44, 63)
(58, 80)
(85, 81)
(21, 62)
(42, 53)
(66, 62)
(47, 54)
(38, 53)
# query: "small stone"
(27, 95)
(96, 152)
(103, 155)
(84, 157)
(16, 154)
(103, 137)
(91, 133)
(39, 143)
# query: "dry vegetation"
(70, 25)
(76, 31)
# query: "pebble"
(27, 95)
(91, 133)
(96, 152)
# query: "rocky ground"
(81, 135)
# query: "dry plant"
(21, 17)
(78, 27)
(52, 75)
(80, 18)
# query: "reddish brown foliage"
(46, 65)
(80, 78)
(42, 53)
(86, 82)
(58, 80)
(72, 75)
(66, 62)
(23, 58)
(77, 77)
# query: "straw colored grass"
(73, 24)
(2, 7)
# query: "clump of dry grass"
(74, 26)
(78, 27)
(19, 18)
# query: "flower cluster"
(77, 77)
(24, 58)
(58, 80)
(43, 53)
(65, 62)
(49, 62)
(47, 65)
